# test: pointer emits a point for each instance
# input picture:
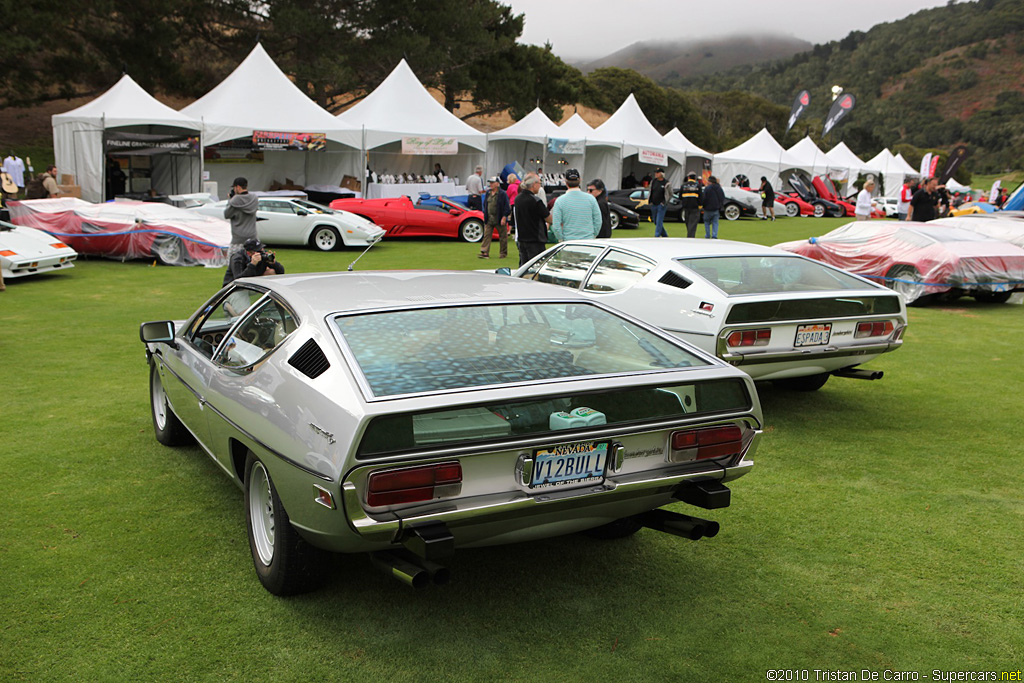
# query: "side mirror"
(504, 270)
(302, 212)
(454, 212)
(159, 331)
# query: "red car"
(794, 205)
(922, 261)
(129, 229)
(400, 217)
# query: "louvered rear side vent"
(310, 360)
(674, 279)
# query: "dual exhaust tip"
(411, 570)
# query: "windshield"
(313, 206)
(740, 275)
(432, 350)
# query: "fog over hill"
(683, 58)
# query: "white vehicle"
(887, 204)
(288, 220)
(27, 251)
(774, 314)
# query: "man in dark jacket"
(496, 211)
(532, 219)
(241, 211)
(598, 191)
(661, 193)
(714, 202)
(690, 198)
(252, 259)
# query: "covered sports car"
(1007, 226)
(27, 251)
(129, 229)
(410, 414)
(922, 261)
(401, 217)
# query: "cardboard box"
(67, 179)
(351, 183)
(70, 190)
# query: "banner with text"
(840, 108)
(422, 145)
(652, 156)
(956, 157)
(264, 140)
(799, 105)
(564, 146)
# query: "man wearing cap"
(661, 192)
(250, 260)
(690, 198)
(576, 215)
(496, 211)
(241, 211)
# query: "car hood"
(31, 242)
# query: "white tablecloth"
(380, 191)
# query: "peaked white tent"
(892, 170)
(811, 156)
(568, 148)
(761, 155)
(524, 141)
(575, 128)
(126, 120)
(907, 168)
(695, 156)
(258, 96)
(627, 139)
(399, 113)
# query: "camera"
(267, 256)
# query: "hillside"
(686, 58)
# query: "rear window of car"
(432, 350)
(818, 307)
(745, 275)
(483, 422)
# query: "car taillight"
(413, 484)
(750, 337)
(709, 442)
(873, 329)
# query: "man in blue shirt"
(576, 215)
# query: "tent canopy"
(761, 155)
(630, 128)
(892, 170)
(534, 127)
(842, 156)
(257, 95)
(675, 137)
(78, 138)
(401, 107)
(575, 128)
(811, 156)
(523, 141)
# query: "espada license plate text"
(813, 335)
(567, 464)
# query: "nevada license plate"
(813, 335)
(568, 464)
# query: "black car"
(734, 208)
(622, 217)
(805, 190)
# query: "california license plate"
(813, 335)
(569, 464)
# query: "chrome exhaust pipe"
(858, 373)
(678, 524)
(401, 569)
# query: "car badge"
(707, 306)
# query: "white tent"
(258, 96)
(628, 140)
(847, 166)
(567, 149)
(401, 112)
(524, 141)
(695, 156)
(759, 156)
(892, 171)
(907, 168)
(131, 121)
(575, 128)
(811, 156)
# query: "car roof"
(673, 248)
(324, 293)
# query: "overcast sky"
(595, 28)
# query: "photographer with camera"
(252, 260)
(241, 212)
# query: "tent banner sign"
(651, 156)
(265, 140)
(115, 142)
(429, 145)
(803, 99)
(565, 146)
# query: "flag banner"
(956, 157)
(840, 108)
(799, 104)
(926, 164)
(934, 165)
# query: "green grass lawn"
(880, 529)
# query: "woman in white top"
(864, 202)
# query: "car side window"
(617, 271)
(263, 329)
(210, 328)
(276, 207)
(568, 266)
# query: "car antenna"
(351, 266)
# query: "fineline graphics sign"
(415, 144)
(143, 143)
(264, 140)
(566, 146)
(650, 156)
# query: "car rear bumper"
(837, 356)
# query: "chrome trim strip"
(825, 352)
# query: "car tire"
(616, 219)
(907, 281)
(169, 251)
(837, 212)
(819, 210)
(620, 528)
(792, 209)
(168, 428)
(285, 563)
(471, 230)
(805, 383)
(992, 297)
(325, 238)
(731, 212)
